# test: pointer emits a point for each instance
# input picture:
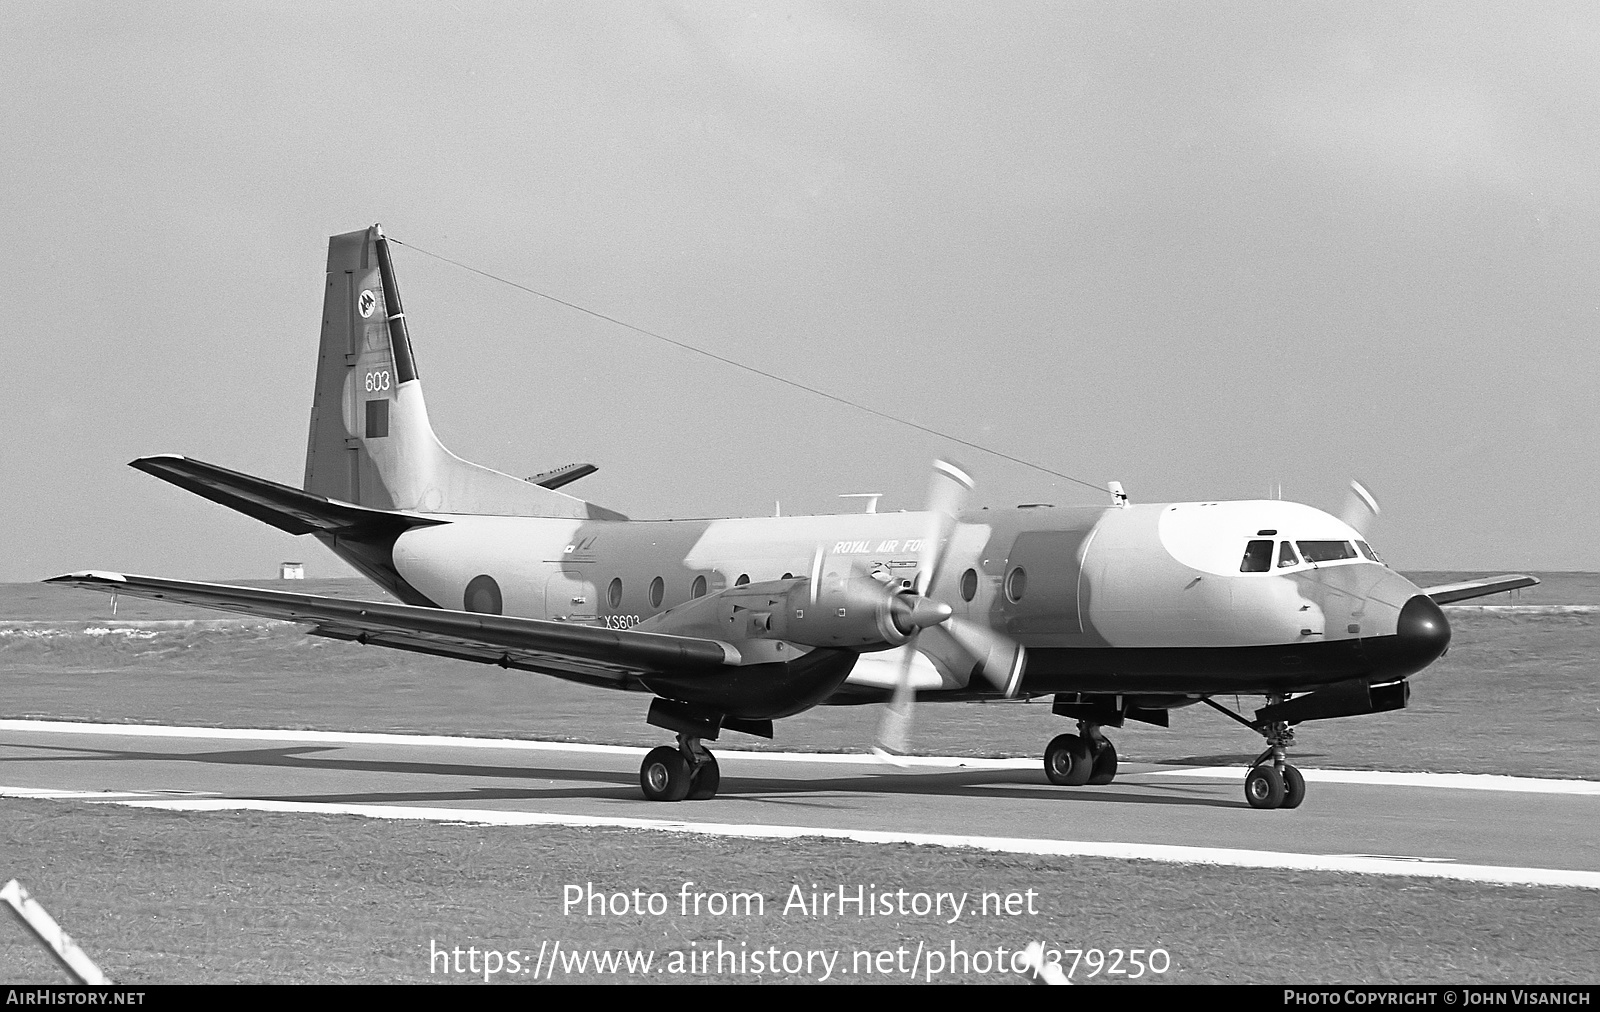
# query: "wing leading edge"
(615, 658)
(1449, 593)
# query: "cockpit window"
(1286, 556)
(1257, 557)
(1367, 550)
(1326, 551)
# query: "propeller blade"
(1360, 509)
(894, 731)
(947, 493)
(1000, 659)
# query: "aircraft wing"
(1449, 593)
(610, 657)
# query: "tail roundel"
(371, 443)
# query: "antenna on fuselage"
(871, 498)
(1118, 497)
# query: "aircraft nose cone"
(1422, 630)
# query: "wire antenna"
(750, 368)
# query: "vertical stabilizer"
(370, 442)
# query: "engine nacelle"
(858, 613)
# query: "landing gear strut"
(1272, 782)
(1073, 760)
(673, 774)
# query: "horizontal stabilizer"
(285, 508)
(614, 657)
(1449, 593)
(563, 475)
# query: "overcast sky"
(1202, 249)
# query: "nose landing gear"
(1272, 782)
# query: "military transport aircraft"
(1121, 612)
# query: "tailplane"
(371, 443)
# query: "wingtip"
(102, 575)
(143, 463)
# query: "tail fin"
(371, 443)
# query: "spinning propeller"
(1360, 510)
(996, 657)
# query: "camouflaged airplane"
(1121, 612)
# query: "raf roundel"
(367, 303)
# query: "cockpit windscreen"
(1326, 551)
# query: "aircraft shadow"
(1240, 759)
(623, 785)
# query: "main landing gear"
(686, 772)
(1073, 760)
(1272, 782)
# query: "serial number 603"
(378, 380)
(1130, 963)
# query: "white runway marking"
(1361, 864)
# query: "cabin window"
(482, 595)
(743, 579)
(969, 585)
(1326, 551)
(614, 593)
(1257, 557)
(1016, 584)
(658, 589)
(1286, 556)
(699, 588)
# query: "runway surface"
(1496, 829)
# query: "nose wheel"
(675, 774)
(1271, 782)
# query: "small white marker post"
(44, 927)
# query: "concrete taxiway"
(1498, 829)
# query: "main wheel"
(1067, 761)
(664, 776)
(1263, 788)
(1294, 787)
(703, 782)
(1104, 769)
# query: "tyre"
(1067, 761)
(1294, 787)
(1263, 788)
(1104, 769)
(664, 776)
(703, 782)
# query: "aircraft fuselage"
(1136, 599)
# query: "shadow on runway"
(816, 793)
(1232, 759)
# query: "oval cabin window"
(482, 596)
(699, 588)
(614, 593)
(1016, 584)
(969, 585)
(658, 587)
